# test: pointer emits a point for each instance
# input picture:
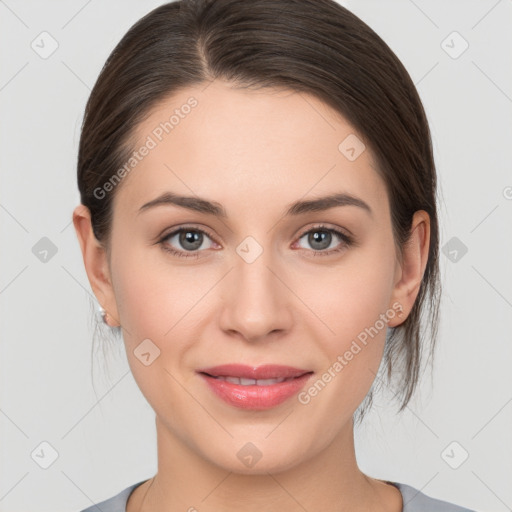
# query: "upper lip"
(267, 371)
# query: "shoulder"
(115, 504)
(416, 501)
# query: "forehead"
(239, 145)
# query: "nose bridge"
(257, 302)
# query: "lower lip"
(255, 397)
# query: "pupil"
(320, 236)
(191, 237)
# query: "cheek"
(152, 297)
(356, 312)
(152, 303)
(354, 295)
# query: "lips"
(257, 388)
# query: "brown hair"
(312, 46)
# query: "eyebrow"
(214, 208)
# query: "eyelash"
(346, 241)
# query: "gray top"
(414, 501)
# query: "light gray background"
(104, 434)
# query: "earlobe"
(95, 262)
(411, 271)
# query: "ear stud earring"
(104, 316)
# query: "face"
(310, 289)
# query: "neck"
(330, 481)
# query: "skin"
(254, 152)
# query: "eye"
(190, 241)
(188, 238)
(321, 238)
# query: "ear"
(409, 273)
(96, 264)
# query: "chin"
(246, 457)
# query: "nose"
(257, 301)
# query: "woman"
(286, 143)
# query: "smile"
(253, 382)
(254, 388)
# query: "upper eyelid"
(177, 230)
(325, 227)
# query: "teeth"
(268, 382)
(253, 382)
